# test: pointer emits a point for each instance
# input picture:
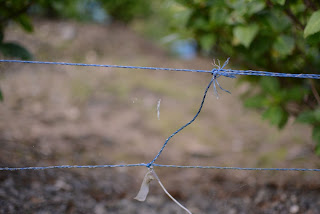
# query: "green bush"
(85, 10)
(127, 10)
(273, 35)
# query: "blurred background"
(65, 115)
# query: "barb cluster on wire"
(216, 73)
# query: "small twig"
(269, 3)
(294, 18)
(290, 14)
(310, 4)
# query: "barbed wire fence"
(216, 72)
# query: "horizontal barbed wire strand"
(155, 165)
(236, 168)
(69, 167)
(223, 72)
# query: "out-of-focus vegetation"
(278, 36)
(93, 10)
(101, 11)
(14, 11)
(272, 35)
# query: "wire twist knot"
(216, 73)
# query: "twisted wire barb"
(222, 72)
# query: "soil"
(66, 115)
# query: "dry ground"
(63, 115)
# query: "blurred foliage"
(93, 10)
(273, 35)
(14, 11)
(127, 10)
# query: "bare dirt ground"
(64, 115)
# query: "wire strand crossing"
(214, 81)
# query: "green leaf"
(1, 36)
(295, 94)
(255, 7)
(245, 34)
(270, 85)
(256, 101)
(314, 39)
(279, 2)
(276, 115)
(283, 46)
(313, 25)
(200, 23)
(261, 46)
(235, 18)
(276, 21)
(218, 16)
(15, 50)
(307, 117)
(25, 22)
(207, 41)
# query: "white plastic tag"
(144, 189)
